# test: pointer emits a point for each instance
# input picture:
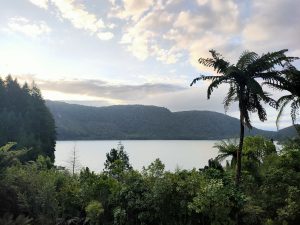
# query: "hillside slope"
(77, 122)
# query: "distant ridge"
(288, 132)
(122, 122)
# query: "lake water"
(183, 154)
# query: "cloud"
(202, 2)
(273, 26)
(99, 88)
(165, 34)
(79, 17)
(27, 27)
(105, 36)
(142, 38)
(131, 9)
(40, 3)
(168, 29)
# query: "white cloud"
(27, 27)
(202, 2)
(141, 38)
(40, 3)
(136, 40)
(168, 29)
(131, 9)
(168, 56)
(166, 35)
(105, 36)
(78, 15)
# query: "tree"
(227, 149)
(155, 169)
(244, 86)
(256, 148)
(10, 156)
(94, 210)
(292, 85)
(217, 202)
(117, 161)
(25, 119)
(74, 160)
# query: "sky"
(106, 52)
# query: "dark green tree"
(117, 162)
(25, 119)
(291, 85)
(244, 87)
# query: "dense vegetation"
(146, 122)
(25, 119)
(43, 194)
(274, 68)
(259, 184)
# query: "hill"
(288, 132)
(77, 122)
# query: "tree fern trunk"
(239, 161)
(239, 151)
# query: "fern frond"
(246, 59)
(283, 101)
(215, 83)
(230, 97)
(203, 77)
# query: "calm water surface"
(183, 154)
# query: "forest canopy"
(25, 119)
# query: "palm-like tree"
(227, 149)
(292, 85)
(244, 87)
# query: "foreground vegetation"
(259, 185)
(37, 192)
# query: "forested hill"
(77, 122)
(288, 132)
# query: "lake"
(183, 154)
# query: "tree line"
(25, 119)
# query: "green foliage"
(19, 220)
(244, 87)
(291, 84)
(155, 169)
(93, 212)
(10, 156)
(269, 192)
(290, 211)
(242, 79)
(257, 148)
(217, 202)
(36, 192)
(227, 149)
(138, 122)
(117, 162)
(25, 119)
